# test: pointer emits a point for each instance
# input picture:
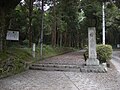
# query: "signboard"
(12, 35)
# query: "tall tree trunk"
(2, 31)
(1, 40)
(77, 39)
(58, 38)
(42, 26)
(61, 37)
(80, 40)
(54, 25)
(30, 22)
(69, 39)
(5, 7)
(65, 38)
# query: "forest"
(62, 23)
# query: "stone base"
(92, 62)
(95, 69)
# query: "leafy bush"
(104, 53)
(26, 42)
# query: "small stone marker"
(92, 60)
(118, 45)
(33, 50)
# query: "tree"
(54, 24)
(5, 8)
(65, 21)
(29, 4)
(113, 25)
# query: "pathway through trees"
(55, 80)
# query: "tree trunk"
(77, 39)
(80, 40)
(61, 36)
(2, 31)
(0, 40)
(65, 38)
(58, 38)
(54, 25)
(30, 22)
(5, 7)
(69, 40)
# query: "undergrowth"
(16, 60)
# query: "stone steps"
(95, 69)
(65, 67)
(55, 67)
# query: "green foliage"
(25, 42)
(70, 19)
(91, 8)
(117, 3)
(14, 61)
(93, 12)
(104, 53)
(113, 25)
(49, 51)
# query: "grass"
(49, 51)
(13, 61)
(16, 60)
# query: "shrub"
(13, 61)
(104, 53)
(26, 42)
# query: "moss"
(13, 61)
(20, 53)
(3, 56)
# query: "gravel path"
(69, 58)
(54, 80)
(116, 60)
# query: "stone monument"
(92, 60)
(92, 63)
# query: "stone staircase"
(72, 62)
(67, 67)
(55, 67)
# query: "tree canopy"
(8, 4)
(65, 21)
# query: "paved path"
(54, 80)
(116, 59)
(69, 58)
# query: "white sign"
(12, 35)
(33, 47)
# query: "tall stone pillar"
(92, 60)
